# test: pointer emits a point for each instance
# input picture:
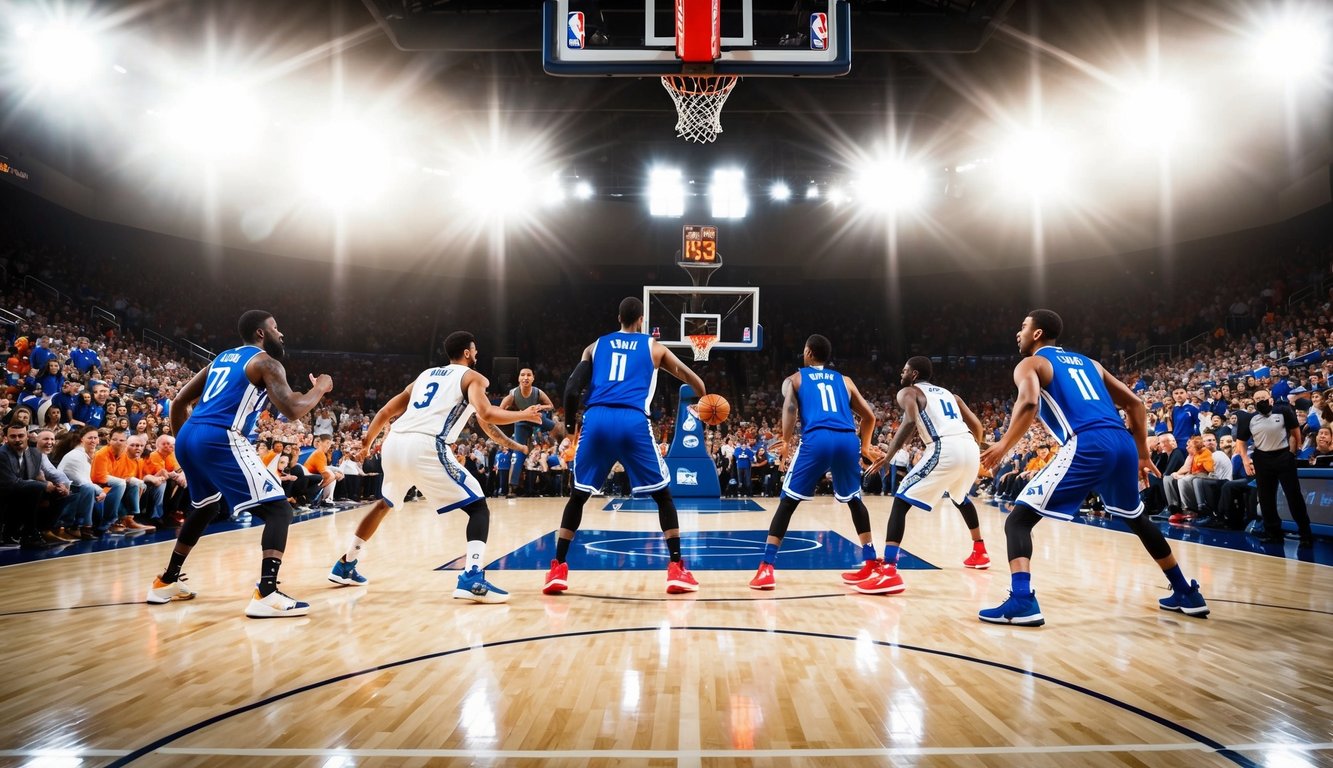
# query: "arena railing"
(29, 281)
(105, 315)
(201, 354)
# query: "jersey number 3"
(428, 395)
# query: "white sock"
(354, 551)
(476, 552)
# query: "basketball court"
(616, 672)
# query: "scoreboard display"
(699, 246)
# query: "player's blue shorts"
(613, 434)
(220, 463)
(1101, 460)
(820, 451)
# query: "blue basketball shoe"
(1190, 602)
(1019, 610)
(346, 573)
(472, 585)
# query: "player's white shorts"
(949, 466)
(428, 463)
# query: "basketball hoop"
(701, 344)
(699, 100)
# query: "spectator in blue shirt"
(40, 355)
(743, 458)
(1282, 387)
(1184, 417)
(67, 399)
(49, 377)
(85, 358)
(503, 461)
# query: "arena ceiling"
(441, 87)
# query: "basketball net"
(699, 100)
(702, 344)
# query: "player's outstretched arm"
(274, 380)
(578, 380)
(909, 400)
(667, 361)
(184, 400)
(474, 384)
(1028, 379)
(970, 419)
(396, 407)
(866, 427)
(500, 438)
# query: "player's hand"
(533, 413)
(324, 383)
(693, 410)
(362, 454)
(523, 449)
(873, 453)
(991, 457)
(1147, 469)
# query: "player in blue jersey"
(620, 373)
(1077, 399)
(825, 400)
(220, 463)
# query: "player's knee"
(1021, 521)
(276, 511)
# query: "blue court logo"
(686, 477)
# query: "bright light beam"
(59, 56)
(1154, 116)
(1292, 48)
(891, 185)
(1034, 164)
(344, 164)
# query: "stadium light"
(213, 118)
(1292, 48)
(836, 196)
(666, 192)
(812, 192)
(728, 194)
(891, 185)
(780, 191)
(1153, 116)
(344, 164)
(58, 55)
(1034, 164)
(503, 186)
(583, 190)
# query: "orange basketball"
(713, 409)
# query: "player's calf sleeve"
(897, 521)
(1018, 531)
(478, 520)
(1150, 535)
(573, 514)
(277, 517)
(195, 523)
(860, 515)
(969, 512)
(666, 510)
(782, 518)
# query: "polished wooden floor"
(618, 673)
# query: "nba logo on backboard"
(745, 337)
(574, 27)
(657, 331)
(818, 32)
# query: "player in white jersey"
(419, 452)
(949, 464)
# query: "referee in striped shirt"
(1277, 438)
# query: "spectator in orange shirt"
(318, 464)
(134, 447)
(111, 466)
(171, 500)
(1199, 464)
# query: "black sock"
(561, 548)
(173, 571)
(268, 576)
(673, 546)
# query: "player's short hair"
(1049, 323)
(821, 349)
(456, 343)
(116, 430)
(251, 321)
(922, 366)
(631, 309)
